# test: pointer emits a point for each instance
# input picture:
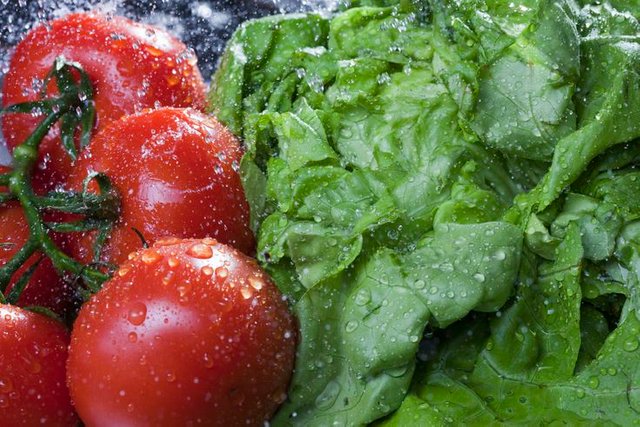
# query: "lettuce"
(446, 192)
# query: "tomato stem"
(9, 269)
(100, 209)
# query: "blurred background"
(202, 25)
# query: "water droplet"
(479, 277)
(351, 326)
(207, 271)
(154, 51)
(150, 257)
(123, 271)
(208, 361)
(362, 297)
(246, 292)
(594, 382)
(327, 398)
(173, 262)
(5, 385)
(137, 313)
(419, 284)
(256, 283)
(631, 344)
(133, 337)
(222, 273)
(500, 255)
(200, 251)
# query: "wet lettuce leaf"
(447, 193)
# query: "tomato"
(45, 287)
(132, 66)
(175, 171)
(33, 352)
(187, 332)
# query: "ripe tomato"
(33, 352)
(45, 288)
(187, 332)
(132, 66)
(175, 172)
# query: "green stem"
(104, 206)
(4, 178)
(8, 270)
(25, 157)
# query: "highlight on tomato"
(187, 332)
(176, 173)
(131, 66)
(33, 353)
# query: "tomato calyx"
(73, 107)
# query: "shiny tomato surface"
(176, 173)
(33, 352)
(132, 66)
(188, 332)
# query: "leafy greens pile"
(447, 192)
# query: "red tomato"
(187, 332)
(131, 65)
(175, 172)
(33, 352)
(45, 288)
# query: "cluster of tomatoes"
(187, 329)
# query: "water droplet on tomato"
(246, 292)
(133, 337)
(137, 313)
(173, 262)
(209, 241)
(207, 271)
(150, 257)
(5, 385)
(183, 289)
(256, 283)
(222, 273)
(173, 80)
(123, 271)
(200, 251)
(171, 377)
(208, 361)
(154, 51)
(168, 278)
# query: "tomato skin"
(45, 287)
(33, 352)
(132, 66)
(174, 171)
(187, 332)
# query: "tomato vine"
(74, 109)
